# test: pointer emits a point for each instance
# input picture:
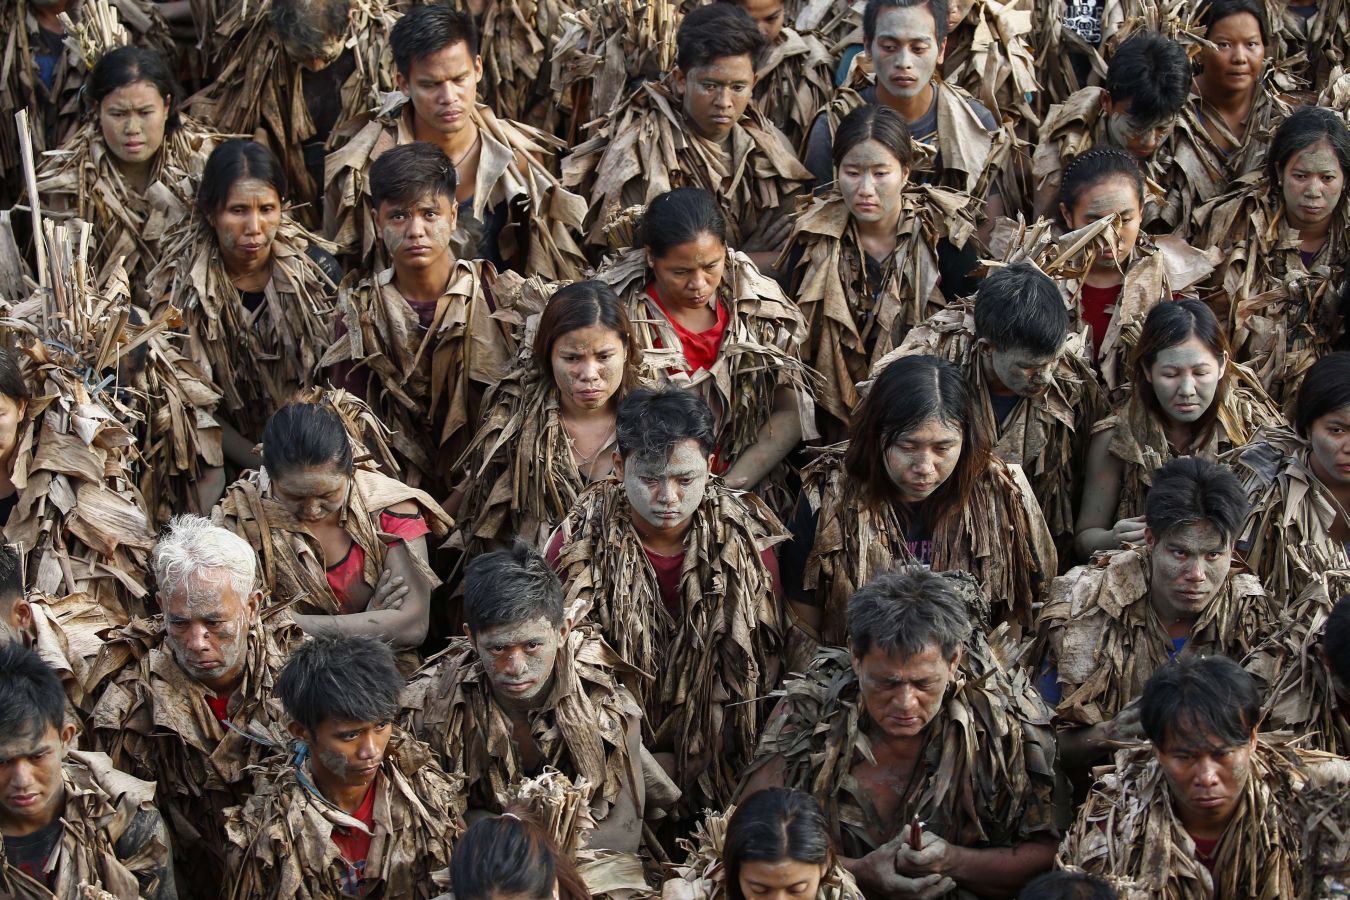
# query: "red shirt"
(700, 347)
(1205, 851)
(353, 843)
(351, 568)
(1098, 303)
(218, 705)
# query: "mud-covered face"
(31, 790)
(1189, 565)
(1313, 185)
(689, 274)
(1233, 64)
(443, 87)
(132, 119)
(349, 753)
(11, 417)
(905, 51)
(872, 182)
(922, 459)
(902, 695)
(588, 365)
(666, 493)
(1112, 197)
(313, 495)
(1025, 373)
(417, 233)
(1140, 139)
(783, 879)
(1205, 776)
(715, 96)
(768, 16)
(518, 658)
(206, 625)
(1185, 379)
(247, 223)
(1330, 439)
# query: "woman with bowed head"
(916, 482)
(512, 856)
(255, 290)
(1187, 398)
(549, 425)
(706, 319)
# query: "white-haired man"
(185, 689)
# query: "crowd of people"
(747, 449)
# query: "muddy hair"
(1097, 166)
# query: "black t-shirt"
(1003, 405)
(29, 854)
(253, 299)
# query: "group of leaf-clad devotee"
(732, 450)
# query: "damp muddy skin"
(1312, 187)
(347, 755)
(132, 119)
(1139, 139)
(1233, 62)
(31, 789)
(872, 182)
(247, 224)
(714, 97)
(1019, 371)
(1188, 566)
(687, 279)
(1205, 776)
(905, 51)
(314, 495)
(665, 493)
(1112, 197)
(443, 88)
(1330, 439)
(902, 695)
(206, 625)
(417, 234)
(780, 880)
(588, 366)
(518, 659)
(922, 459)
(1185, 379)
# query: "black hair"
(353, 679)
(508, 586)
(511, 855)
(1197, 697)
(1062, 885)
(128, 65)
(584, 304)
(1305, 126)
(1169, 324)
(429, 28)
(710, 33)
(408, 172)
(303, 436)
(1019, 306)
(678, 217)
(1325, 388)
(874, 7)
(1153, 74)
(874, 122)
(906, 610)
(12, 383)
(651, 421)
(31, 696)
(1336, 639)
(773, 825)
(1188, 490)
(304, 26)
(234, 161)
(1097, 166)
(1218, 10)
(910, 391)
(11, 577)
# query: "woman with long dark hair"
(511, 855)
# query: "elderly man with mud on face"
(184, 688)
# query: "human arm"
(622, 828)
(776, 439)
(878, 874)
(1080, 748)
(237, 448)
(984, 871)
(993, 211)
(1097, 528)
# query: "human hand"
(770, 234)
(879, 876)
(1125, 728)
(933, 857)
(390, 592)
(1129, 531)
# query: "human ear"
(618, 465)
(298, 731)
(678, 78)
(23, 614)
(1149, 538)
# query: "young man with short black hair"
(1206, 808)
(356, 807)
(699, 127)
(71, 822)
(1112, 623)
(512, 210)
(529, 689)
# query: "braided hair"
(1100, 164)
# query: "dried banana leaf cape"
(1301, 698)
(1317, 44)
(130, 225)
(760, 353)
(1212, 166)
(580, 729)
(988, 54)
(1128, 829)
(1287, 539)
(281, 837)
(988, 764)
(960, 155)
(427, 384)
(704, 877)
(1054, 41)
(152, 718)
(102, 806)
(66, 633)
(291, 558)
(1283, 313)
(793, 82)
(1139, 440)
(1046, 435)
(852, 323)
(515, 167)
(258, 87)
(1101, 632)
(717, 657)
(645, 147)
(518, 38)
(999, 536)
(256, 359)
